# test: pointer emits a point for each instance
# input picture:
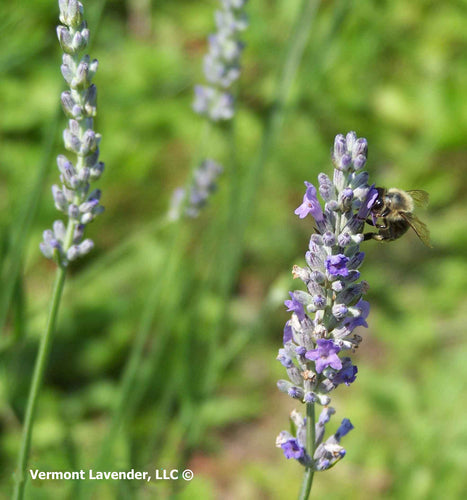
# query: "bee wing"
(419, 227)
(420, 197)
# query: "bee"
(395, 208)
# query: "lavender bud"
(350, 140)
(356, 260)
(77, 112)
(68, 103)
(345, 162)
(310, 397)
(284, 385)
(318, 277)
(71, 12)
(91, 159)
(72, 143)
(69, 194)
(72, 253)
(89, 142)
(73, 212)
(337, 286)
(294, 375)
(329, 239)
(323, 399)
(78, 233)
(339, 311)
(90, 99)
(93, 69)
(79, 41)
(360, 148)
(296, 392)
(340, 148)
(332, 206)
(343, 239)
(96, 171)
(67, 73)
(65, 40)
(86, 246)
(316, 239)
(59, 199)
(326, 188)
(319, 302)
(81, 76)
(359, 162)
(47, 250)
(59, 230)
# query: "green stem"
(39, 369)
(310, 448)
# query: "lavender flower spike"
(203, 184)
(320, 333)
(73, 197)
(222, 63)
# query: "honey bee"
(395, 207)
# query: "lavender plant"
(320, 333)
(79, 103)
(73, 197)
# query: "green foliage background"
(396, 73)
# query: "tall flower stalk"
(215, 102)
(320, 332)
(73, 197)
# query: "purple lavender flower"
(288, 332)
(336, 265)
(362, 310)
(292, 449)
(310, 204)
(345, 427)
(295, 306)
(347, 374)
(325, 355)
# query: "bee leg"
(379, 226)
(373, 236)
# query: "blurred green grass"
(392, 71)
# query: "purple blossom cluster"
(73, 197)
(321, 330)
(222, 63)
(203, 184)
